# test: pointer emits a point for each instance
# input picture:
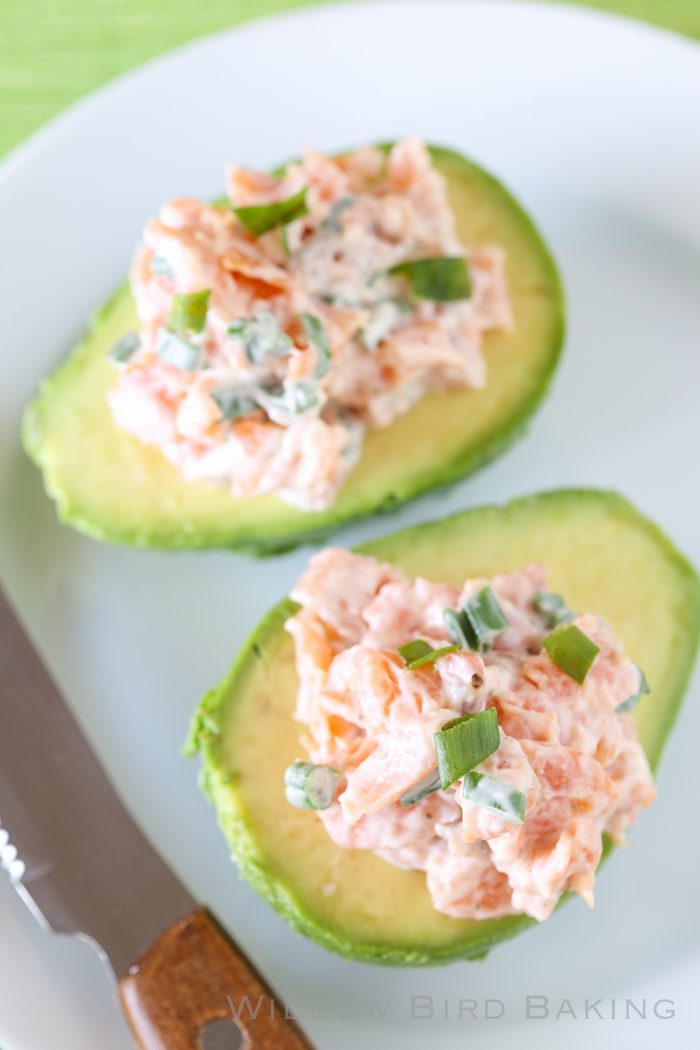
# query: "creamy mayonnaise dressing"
(298, 426)
(562, 745)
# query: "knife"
(83, 867)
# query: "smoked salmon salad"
(479, 734)
(279, 326)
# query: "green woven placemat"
(54, 51)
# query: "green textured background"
(54, 51)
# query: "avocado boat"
(113, 488)
(603, 556)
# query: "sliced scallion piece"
(478, 623)
(291, 400)
(633, 700)
(310, 787)
(261, 335)
(465, 742)
(414, 650)
(122, 352)
(491, 793)
(418, 653)
(443, 279)
(300, 397)
(177, 351)
(459, 629)
(188, 313)
(384, 316)
(258, 219)
(161, 266)
(427, 785)
(331, 220)
(316, 335)
(273, 389)
(485, 618)
(234, 402)
(572, 651)
(552, 608)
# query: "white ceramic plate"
(592, 121)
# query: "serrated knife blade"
(72, 850)
(84, 868)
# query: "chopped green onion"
(261, 335)
(162, 267)
(316, 335)
(418, 653)
(261, 218)
(485, 616)
(300, 397)
(310, 787)
(383, 286)
(430, 657)
(273, 389)
(177, 351)
(414, 650)
(478, 623)
(491, 793)
(465, 742)
(427, 785)
(551, 608)
(234, 402)
(633, 700)
(443, 279)
(572, 651)
(331, 220)
(189, 312)
(344, 301)
(459, 629)
(383, 318)
(122, 352)
(291, 400)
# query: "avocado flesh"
(110, 486)
(604, 558)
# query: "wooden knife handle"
(184, 982)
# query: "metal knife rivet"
(222, 1034)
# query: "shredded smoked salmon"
(366, 213)
(563, 745)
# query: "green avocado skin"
(582, 518)
(75, 444)
(270, 884)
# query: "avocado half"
(111, 487)
(604, 557)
